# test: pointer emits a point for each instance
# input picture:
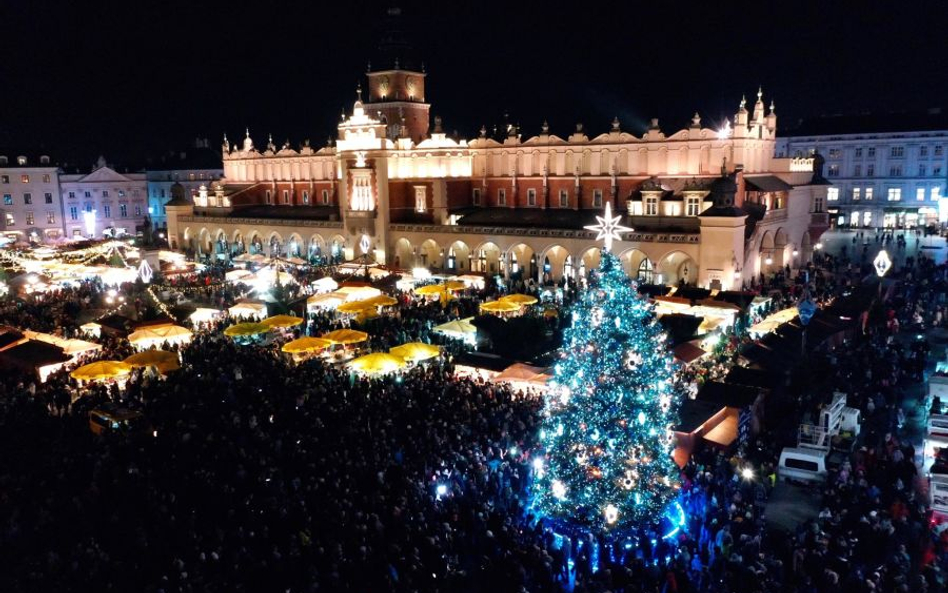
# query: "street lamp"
(882, 264)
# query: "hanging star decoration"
(609, 228)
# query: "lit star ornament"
(608, 228)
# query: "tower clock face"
(410, 84)
(383, 85)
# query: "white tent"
(248, 310)
(156, 336)
(329, 300)
(204, 315)
(325, 284)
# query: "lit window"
(501, 197)
(21, 160)
(46, 178)
(868, 193)
(867, 218)
(4, 179)
(919, 193)
(123, 210)
(305, 197)
(531, 197)
(833, 171)
(421, 199)
(597, 198)
(29, 219)
(856, 192)
(121, 193)
(646, 271)
(9, 219)
(832, 194)
(564, 198)
(50, 217)
(936, 193)
(24, 178)
(7, 199)
(834, 153)
(651, 206)
(692, 206)
(138, 210)
(894, 194)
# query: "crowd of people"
(252, 473)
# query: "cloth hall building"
(707, 207)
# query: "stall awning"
(724, 433)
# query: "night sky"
(132, 79)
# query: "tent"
(457, 328)
(282, 321)
(325, 284)
(91, 329)
(519, 299)
(415, 351)
(204, 315)
(305, 344)
(345, 336)
(472, 280)
(329, 300)
(242, 330)
(36, 356)
(377, 363)
(523, 374)
(150, 337)
(499, 307)
(101, 370)
(71, 348)
(354, 307)
(162, 360)
(238, 276)
(354, 292)
(382, 300)
(248, 310)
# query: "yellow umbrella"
(520, 299)
(306, 344)
(455, 285)
(104, 369)
(281, 321)
(550, 313)
(500, 307)
(355, 307)
(430, 290)
(162, 360)
(246, 329)
(415, 351)
(346, 336)
(377, 363)
(382, 300)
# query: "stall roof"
(479, 360)
(724, 433)
(9, 336)
(34, 354)
(694, 413)
(688, 352)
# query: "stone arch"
(337, 248)
(295, 245)
(237, 245)
(205, 242)
(186, 237)
(632, 264)
(806, 248)
(487, 258)
(404, 255)
(677, 267)
(430, 254)
(588, 260)
(781, 248)
(274, 244)
(255, 244)
(553, 263)
(521, 261)
(458, 257)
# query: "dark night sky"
(129, 79)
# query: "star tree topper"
(608, 228)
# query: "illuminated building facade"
(31, 209)
(708, 207)
(103, 202)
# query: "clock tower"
(397, 85)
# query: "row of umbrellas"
(162, 360)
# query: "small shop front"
(905, 217)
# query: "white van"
(938, 493)
(802, 464)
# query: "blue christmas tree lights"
(606, 433)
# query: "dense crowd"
(255, 474)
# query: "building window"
(121, 193)
(162, 193)
(88, 194)
(692, 206)
(651, 206)
(857, 171)
(833, 171)
(72, 195)
(123, 210)
(501, 197)
(73, 213)
(50, 217)
(871, 152)
(421, 199)
(859, 153)
(88, 207)
(29, 219)
(897, 152)
(107, 210)
(936, 193)
(305, 197)
(4, 179)
(27, 198)
(138, 210)
(105, 193)
(818, 203)
(856, 192)
(269, 197)
(834, 153)
(9, 218)
(895, 171)
(894, 194)
(936, 171)
(922, 169)
(832, 194)
(646, 271)
(286, 196)
(7, 199)
(868, 193)
(46, 178)
(24, 178)
(939, 150)
(564, 198)
(867, 218)
(476, 196)
(920, 193)
(870, 170)
(922, 151)
(597, 198)
(531, 197)
(325, 195)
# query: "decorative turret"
(225, 146)
(616, 127)
(248, 142)
(772, 118)
(759, 107)
(696, 121)
(740, 118)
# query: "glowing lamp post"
(882, 264)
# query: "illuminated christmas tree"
(607, 427)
